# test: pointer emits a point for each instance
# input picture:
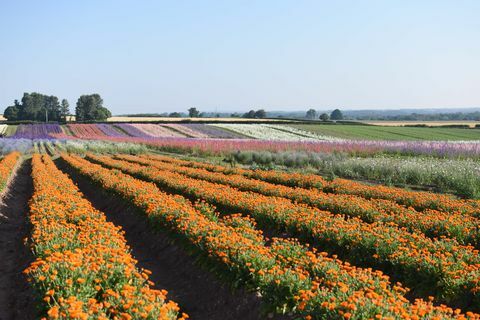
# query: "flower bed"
(83, 268)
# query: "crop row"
(7, 165)
(83, 268)
(272, 132)
(439, 266)
(464, 228)
(417, 199)
(287, 274)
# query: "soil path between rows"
(198, 292)
(16, 296)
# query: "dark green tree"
(64, 110)
(52, 107)
(174, 115)
(260, 114)
(324, 117)
(311, 114)
(250, 114)
(336, 115)
(34, 106)
(11, 113)
(90, 108)
(193, 113)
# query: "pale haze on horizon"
(162, 56)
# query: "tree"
(193, 113)
(336, 115)
(11, 113)
(64, 110)
(250, 114)
(324, 117)
(260, 114)
(174, 115)
(34, 106)
(311, 114)
(90, 108)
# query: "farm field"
(177, 221)
(259, 131)
(291, 244)
(389, 132)
(427, 123)
(170, 119)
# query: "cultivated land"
(245, 250)
(390, 132)
(427, 123)
(237, 221)
(169, 119)
(273, 131)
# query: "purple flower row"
(38, 131)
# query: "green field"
(390, 133)
(11, 129)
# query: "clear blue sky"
(156, 56)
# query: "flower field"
(83, 268)
(317, 281)
(446, 267)
(287, 244)
(224, 138)
(272, 132)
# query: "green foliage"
(35, 107)
(193, 113)
(64, 110)
(457, 176)
(336, 115)
(260, 114)
(252, 114)
(90, 108)
(11, 113)
(415, 116)
(324, 117)
(311, 114)
(460, 177)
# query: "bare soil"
(16, 296)
(198, 292)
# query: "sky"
(162, 56)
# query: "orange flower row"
(287, 274)
(7, 166)
(420, 200)
(83, 267)
(443, 267)
(433, 223)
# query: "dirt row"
(16, 299)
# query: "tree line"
(40, 107)
(252, 114)
(334, 115)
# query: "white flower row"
(303, 133)
(273, 132)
